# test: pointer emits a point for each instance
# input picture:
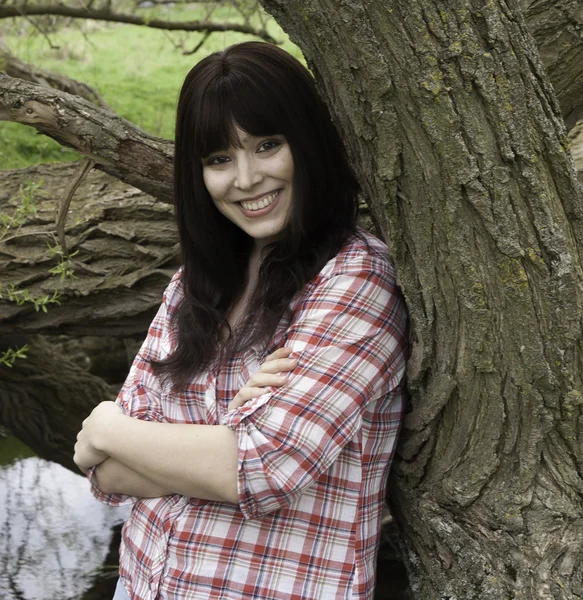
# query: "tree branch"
(117, 146)
(106, 14)
(125, 248)
(17, 68)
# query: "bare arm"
(193, 460)
(113, 477)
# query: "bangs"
(231, 103)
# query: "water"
(54, 535)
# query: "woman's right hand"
(269, 375)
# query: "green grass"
(12, 449)
(137, 70)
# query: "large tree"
(461, 147)
(459, 142)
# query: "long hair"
(261, 90)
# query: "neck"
(255, 262)
(258, 247)
(260, 244)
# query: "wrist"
(108, 430)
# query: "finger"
(278, 365)
(279, 353)
(248, 393)
(244, 395)
(260, 379)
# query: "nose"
(248, 175)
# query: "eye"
(213, 161)
(269, 145)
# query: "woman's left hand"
(270, 374)
(88, 451)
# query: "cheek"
(208, 182)
(216, 183)
(287, 167)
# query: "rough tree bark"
(45, 400)
(123, 245)
(460, 146)
(126, 251)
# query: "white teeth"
(261, 203)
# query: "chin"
(267, 236)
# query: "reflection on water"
(53, 534)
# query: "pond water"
(54, 535)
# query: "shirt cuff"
(234, 417)
(256, 494)
(110, 499)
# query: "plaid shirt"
(313, 455)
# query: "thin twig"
(170, 38)
(205, 37)
(81, 30)
(25, 234)
(82, 170)
(41, 31)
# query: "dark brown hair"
(262, 90)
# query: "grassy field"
(137, 70)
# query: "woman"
(275, 491)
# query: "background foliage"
(138, 70)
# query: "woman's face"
(253, 185)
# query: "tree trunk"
(123, 245)
(459, 144)
(45, 399)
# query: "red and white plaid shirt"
(314, 454)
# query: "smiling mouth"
(259, 204)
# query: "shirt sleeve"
(141, 393)
(348, 334)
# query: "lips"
(260, 207)
(261, 203)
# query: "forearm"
(193, 460)
(113, 477)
